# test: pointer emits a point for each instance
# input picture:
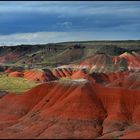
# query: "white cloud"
(38, 37)
(53, 37)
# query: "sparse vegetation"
(14, 84)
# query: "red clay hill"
(72, 109)
(34, 75)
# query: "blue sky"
(30, 22)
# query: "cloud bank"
(46, 21)
(55, 37)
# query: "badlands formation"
(97, 98)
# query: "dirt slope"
(76, 109)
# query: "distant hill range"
(55, 54)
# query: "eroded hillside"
(89, 90)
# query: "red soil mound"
(77, 109)
(131, 80)
(118, 79)
(106, 63)
(98, 62)
(117, 75)
(62, 72)
(33, 75)
(16, 74)
(41, 76)
(133, 60)
(122, 106)
(79, 74)
(69, 72)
